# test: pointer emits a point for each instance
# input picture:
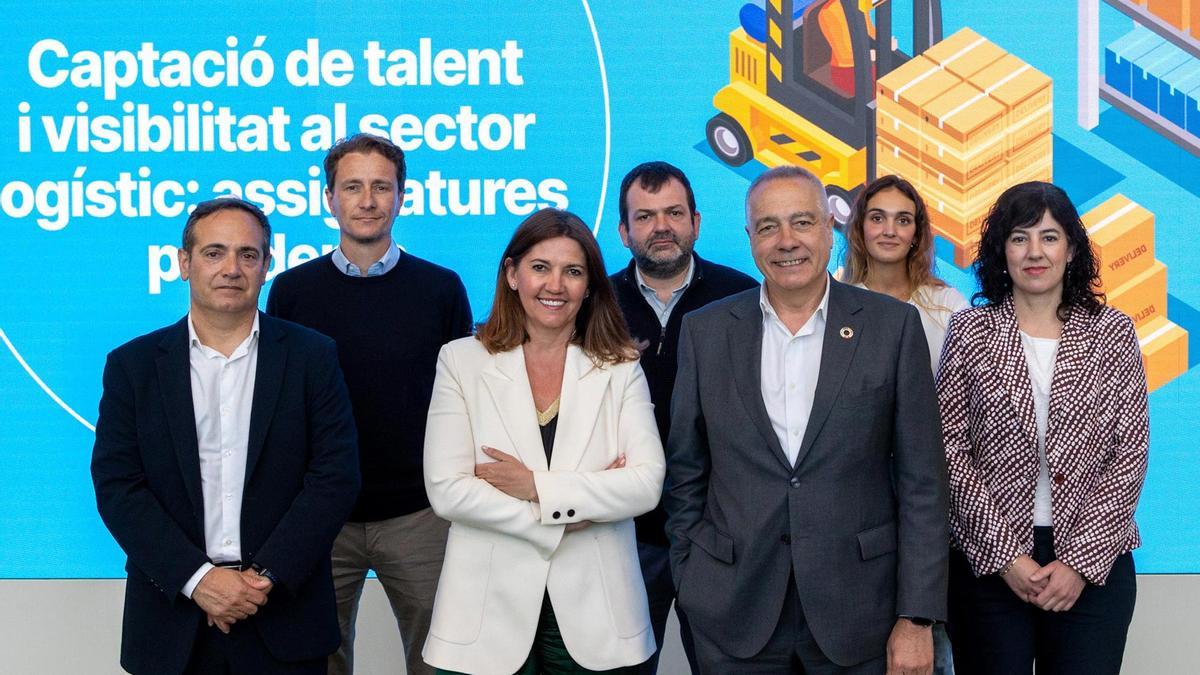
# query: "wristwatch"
(264, 572)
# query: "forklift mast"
(850, 120)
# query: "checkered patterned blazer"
(1097, 439)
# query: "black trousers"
(660, 592)
(995, 633)
(242, 652)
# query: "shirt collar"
(687, 280)
(770, 314)
(380, 267)
(194, 340)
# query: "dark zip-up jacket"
(659, 347)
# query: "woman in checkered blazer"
(1043, 403)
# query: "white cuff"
(191, 584)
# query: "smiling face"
(1037, 257)
(365, 197)
(226, 266)
(789, 236)
(889, 226)
(661, 231)
(551, 280)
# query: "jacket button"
(556, 515)
(1059, 479)
(795, 482)
(570, 513)
(787, 539)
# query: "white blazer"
(504, 553)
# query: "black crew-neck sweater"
(388, 330)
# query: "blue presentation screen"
(116, 118)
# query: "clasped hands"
(228, 596)
(508, 475)
(1053, 588)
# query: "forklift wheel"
(841, 203)
(728, 140)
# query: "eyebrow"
(665, 208)
(1034, 229)
(901, 212)
(217, 246)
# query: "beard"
(663, 266)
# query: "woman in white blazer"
(540, 449)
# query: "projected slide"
(117, 117)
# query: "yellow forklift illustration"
(804, 92)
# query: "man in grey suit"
(806, 485)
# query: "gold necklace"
(544, 417)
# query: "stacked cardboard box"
(963, 122)
(1122, 235)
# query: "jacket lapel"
(745, 350)
(837, 353)
(175, 383)
(268, 378)
(1012, 370)
(1073, 356)
(508, 384)
(583, 389)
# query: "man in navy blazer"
(224, 465)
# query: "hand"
(226, 598)
(910, 649)
(257, 580)
(618, 463)
(508, 475)
(1020, 578)
(1062, 587)
(221, 625)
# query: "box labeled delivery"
(1122, 235)
(1164, 351)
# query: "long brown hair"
(599, 326)
(920, 260)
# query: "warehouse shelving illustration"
(1151, 73)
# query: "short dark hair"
(365, 144)
(211, 206)
(600, 328)
(1023, 205)
(651, 177)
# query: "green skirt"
(549, 655)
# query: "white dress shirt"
(790, 366)
(222, 396)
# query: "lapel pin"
(846, 332)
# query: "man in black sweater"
(389, 313)
(665, 280)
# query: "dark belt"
(235, 565)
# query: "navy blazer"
(301, 481)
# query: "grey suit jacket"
(860, 520)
